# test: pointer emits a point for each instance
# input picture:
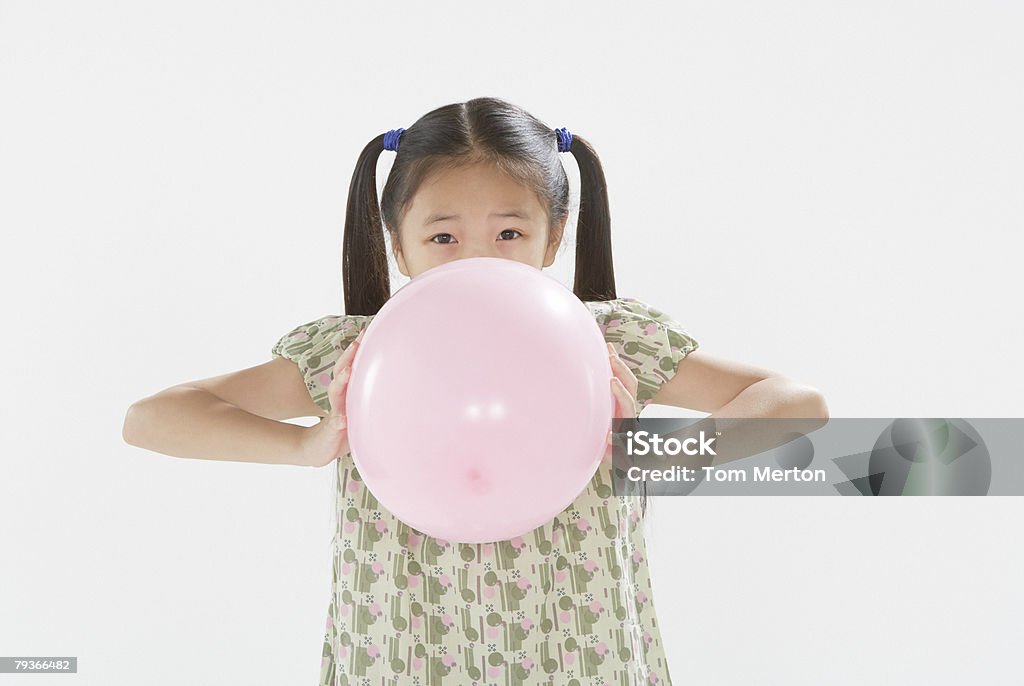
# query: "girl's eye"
(447, 238)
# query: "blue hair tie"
(564, 139)
(391, 139)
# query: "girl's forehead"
(476, 188)
(472, 173)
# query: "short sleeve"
(648, 340)
(315, 346)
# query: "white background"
(829, 190)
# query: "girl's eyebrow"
(440, 217)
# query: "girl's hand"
(624, 387)
(328, 440)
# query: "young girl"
(567, 603)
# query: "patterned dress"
(569, 603)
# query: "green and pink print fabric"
(569, 603)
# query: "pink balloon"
(479, 403)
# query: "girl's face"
(474, 210)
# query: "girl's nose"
(476, 250)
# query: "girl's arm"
(732, 389)
(232, 417)
(741, 394)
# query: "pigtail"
(365, 274)
(595, 275)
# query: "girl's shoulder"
(309, 343)
(634, 317)
(647, 339)
(628, 308)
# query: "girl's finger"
(346, 356)
(336, 391)
(629, 383)
(623, 404)
(623, 372)
(621, 369)
(354, 347)
(627, 405)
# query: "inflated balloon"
(479, 403)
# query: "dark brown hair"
(481, 129)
